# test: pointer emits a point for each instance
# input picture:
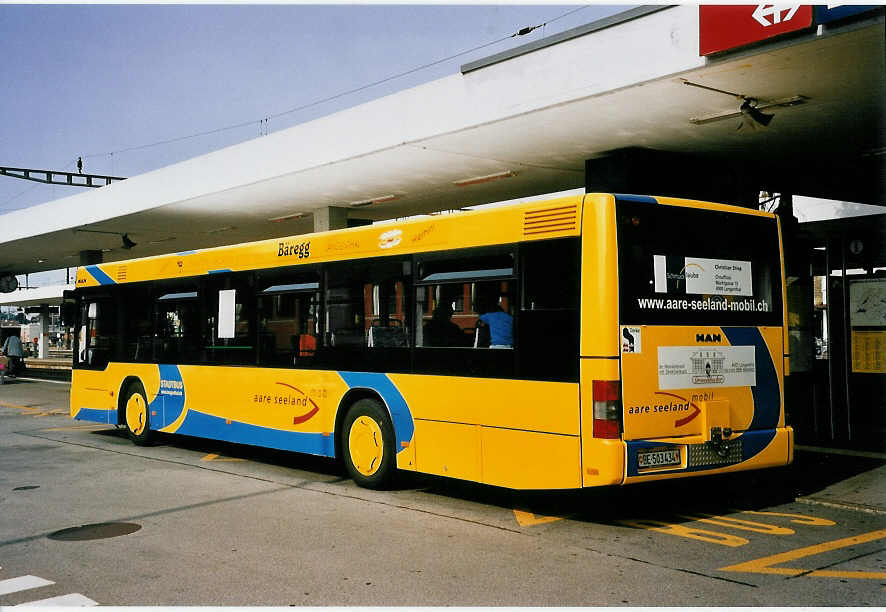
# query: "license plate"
(658, 457)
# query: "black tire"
(137, 415)
(367, 442)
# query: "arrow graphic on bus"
(296, 420)
(684, 420)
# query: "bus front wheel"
(368, 444)
(137, 415)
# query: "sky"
(99, 81)
(108, 82)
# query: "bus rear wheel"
(368, 444)
(137, 415)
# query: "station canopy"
(513, 125)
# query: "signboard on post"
(723, 27)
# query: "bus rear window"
(688, 266)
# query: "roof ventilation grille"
(121, 273)
(551, 220)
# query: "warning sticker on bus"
(688, 367)
(631, 339)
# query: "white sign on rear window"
(718, 276)
(691, 367)
(227, 299)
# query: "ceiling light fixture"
(376, 200)
(782, 102)
(484, 179)
(289, 217)
(750, 109)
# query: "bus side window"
(366, 304)
(83, 334)
(444, 319)
(98, 319)
(345, 325)
(548, 335)
(466, 301)
(177, 323)
(289, 316)
(495, 319)
(135, 307)
(228, 320)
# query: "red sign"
(722, 27)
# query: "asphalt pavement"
(841, 478)
(88, 517)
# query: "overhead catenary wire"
(263, 123)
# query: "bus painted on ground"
(576, 342)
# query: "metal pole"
(847, 361)
(827, 280)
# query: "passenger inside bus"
(441, 331)
(500, 323)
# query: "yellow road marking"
(16, 406)
(693, 533)
(35, 411)
(215, 457)
(48, 413)
(735, 523)
(800, 519)
(527, 519)
(764, 565)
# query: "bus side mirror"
(68, 312)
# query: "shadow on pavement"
(815, 471)
(718, 494)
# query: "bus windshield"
(687, 266)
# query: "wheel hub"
(136, 414)
(365, 445)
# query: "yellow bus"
(575, 342)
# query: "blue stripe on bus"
(186, 253)
(767, 398)
(767, 403)
(221, 271)
(627, 197)
(404, 427)
(168, 405)
(97, 415)
(100, 276)
(752, 443)
(207, 426)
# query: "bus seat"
(386, 337)
(307, 345)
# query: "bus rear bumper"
(749, 450)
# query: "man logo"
(708, 338)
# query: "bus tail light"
(607, 409)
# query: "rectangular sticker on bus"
(689, 367)
(701, 276)
(631, 339)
